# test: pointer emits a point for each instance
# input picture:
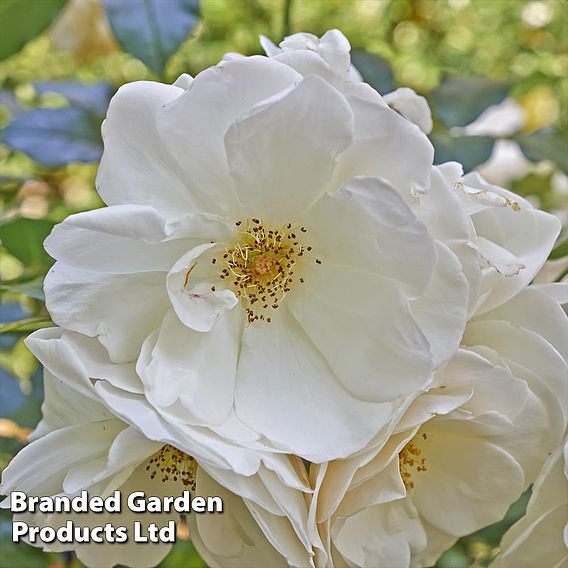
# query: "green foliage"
(545, 145)
(468, 150)
(374, 69)
(23, 20)
(23, 239)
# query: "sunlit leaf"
(27, 325)
(374, 69)
(32, 288)
(23, 20)
(458, 102)
(23, 238)
(152, 30)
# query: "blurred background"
(494, 71)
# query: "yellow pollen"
(410, 460)
(260, 266)
(171, 464)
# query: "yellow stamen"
(172, 464)
(260, 266)
(411, 460)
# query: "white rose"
(469, 454)
(81, 444)
(253, 263)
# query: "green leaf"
(31, 288)
(152, 30)
(458, 102)
(545, 145)
(23, 238)
(23, 20)
(26, 325)
(471, 151)
(375, 70)
(183, 555)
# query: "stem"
(286, 20)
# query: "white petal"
(286, 391)
(201, 443)
(366, 224)
(120, 309)
(69, 394)
(524, 232)
(529, 350)
(383, 140)
(194, 125)
(136, 167)
(412, 106)
(306, 63)
(334, 47)
(441, 312)
(234, 538)
(192, 372)
(39, 469)
(270, 48)
(282, 155)
(538, 312)
(469, 483)
(362, 325)
(128, 238)
(199, 305)
(384, 535)
(130, 553)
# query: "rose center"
(412, 461)
(261, 266)
(171, 464)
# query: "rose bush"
(286, 303)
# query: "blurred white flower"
(507, 162)
(259, 255)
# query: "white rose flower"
(259, 258)
(80, 444)
(469, 455)
(540, 538)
